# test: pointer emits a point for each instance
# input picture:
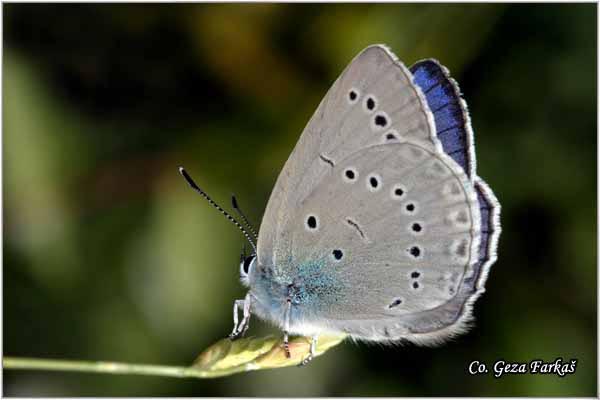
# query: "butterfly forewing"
(342, 125)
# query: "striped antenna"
(237, 208)
(193, 185)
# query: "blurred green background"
(108, 254)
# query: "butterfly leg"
(240, 328)
(236, 305)
(286, 328)
(246, 315)
(311, 353)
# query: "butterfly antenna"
(243, 254)
(236, 207)
(193, 185)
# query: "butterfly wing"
(375, 225)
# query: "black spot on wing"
(395, 303)
(444, 102)
(355, 226)
(415, 251)
(338, 254)
(326, 160)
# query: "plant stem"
(105, 367)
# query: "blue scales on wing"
(449, 111)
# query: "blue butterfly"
(378, 226)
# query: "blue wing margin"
(453, 126)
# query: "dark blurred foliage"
(108, 255)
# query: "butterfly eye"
(246, 264)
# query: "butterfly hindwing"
(403, 230)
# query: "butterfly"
(378, 226)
